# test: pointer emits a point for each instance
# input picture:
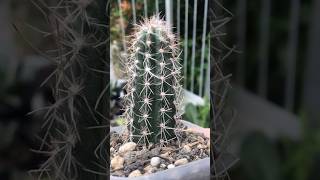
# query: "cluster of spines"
(78, 81)
(153, 91)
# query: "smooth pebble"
(135, 173)
(155, 161)
(181, 161)
(130, 146)
(117, 162)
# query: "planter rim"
(205, 161)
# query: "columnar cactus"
(153, 91)
(79, 83)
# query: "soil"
(190, 146)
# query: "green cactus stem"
(153, 90)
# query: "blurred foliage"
(126, 10)
(126, 7)
(260, 159)
(296, 160)
(199, 115)
(280, 159)
(197, 67)
(278, 47)
(17, 129)
(120, 121)
(302, 157)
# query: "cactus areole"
(153, 91)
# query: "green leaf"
(191, 114)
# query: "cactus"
(153, 91)
(221, 119)
(75, 149)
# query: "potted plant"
(156, 143)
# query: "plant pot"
(194, 170)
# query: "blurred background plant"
(198, 114)
(276, 132)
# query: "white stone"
(155, 161)
(117, 162)
(181, 161)
(135, 173)
(163, 165)
(170, 166)
(111, 150)
(130, 146)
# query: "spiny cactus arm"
(79, 30)
(153, 85)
